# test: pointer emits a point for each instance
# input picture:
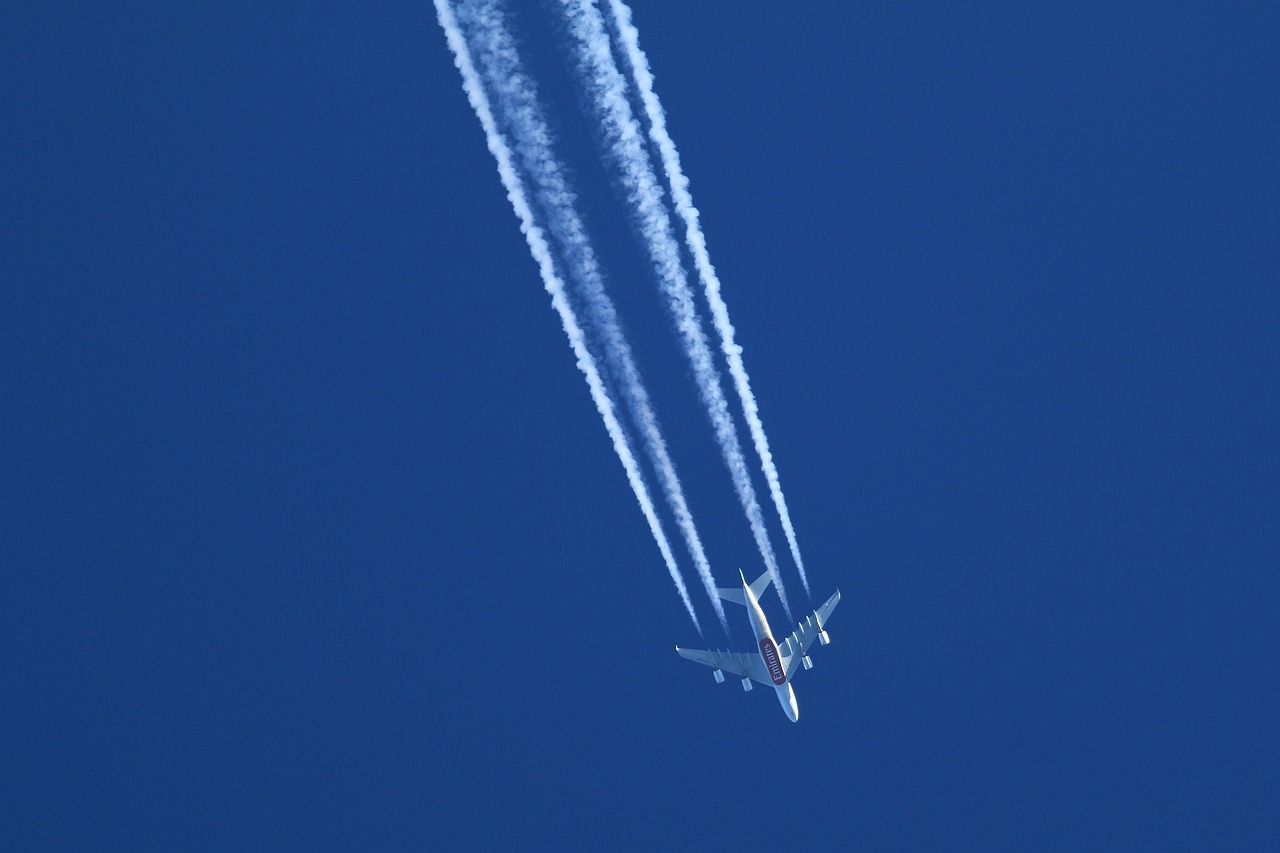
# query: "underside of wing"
(741, 664)
(794, 646)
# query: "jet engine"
(718, 676)
(824, 638)
(746, 685)
(807, 661)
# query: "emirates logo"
(770, 654)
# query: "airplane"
(772, 665)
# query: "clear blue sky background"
(313, 540)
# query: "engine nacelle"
(746, 685)
(824, 638)
(807, 661)
(718, 676)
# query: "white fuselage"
(769, 654)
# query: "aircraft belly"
(787, 699)
(772, 661)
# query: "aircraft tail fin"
(758, 586)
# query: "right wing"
(795, 644)
(741, 664)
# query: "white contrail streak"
(627, 147)
(541, 252)
(629, 37)
(503, 72)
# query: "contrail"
(555, 287)
(518, 104)
(626, 145)
(629, 38)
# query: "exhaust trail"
(627, 148)
(629, 38)
(554, 285)
(519, 106)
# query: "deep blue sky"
(312, 538)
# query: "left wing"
(741, 664)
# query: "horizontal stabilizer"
(758, 586)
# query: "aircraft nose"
(787, 699)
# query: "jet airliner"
(772, 665)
